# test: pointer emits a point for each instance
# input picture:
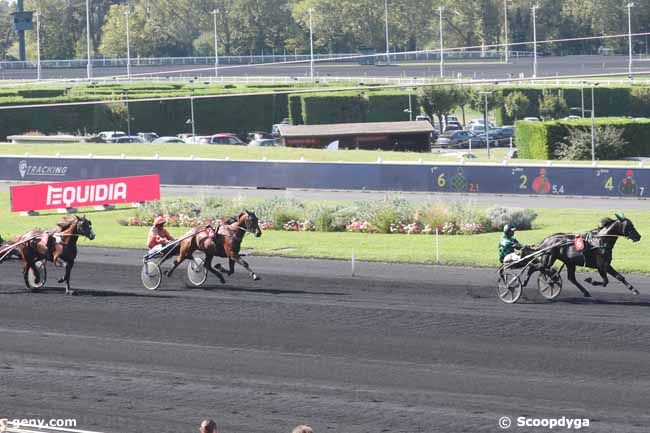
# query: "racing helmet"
(508, 228)
(159, 220)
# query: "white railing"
(258, 59)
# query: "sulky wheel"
(197, 272)
(151, 275)
(30, 278)
(549, 283)
(509, 287)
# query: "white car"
(109, 135)
(531, 119)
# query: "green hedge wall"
(343, 107)
(610, 101)
(238, 114)
(295, 109)
(539, 140)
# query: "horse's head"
(251, 223)
(85, 227)
(627, 229)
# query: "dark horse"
(59, 247)
(222, 242)
(597, 252)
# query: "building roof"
(338, 129)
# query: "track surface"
(398, 348)
(547, 67)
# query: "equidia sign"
(94, 192)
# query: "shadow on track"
(219, 288)
(93, 293)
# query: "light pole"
(534, 8)
(128, 44)
(38, 45)
(629, 37)
(216, 46)
(128, 113)
(311, 47)
(505, 23)
(192, 119)
(89, 67)
(593, 124)
(485, 122)
(440, 9)
(387, 45)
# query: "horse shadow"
(600, 301)
(95, 293)
(229, 288)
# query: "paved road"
(398, 348)
(547, 66)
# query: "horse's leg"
(614, 273)
(571, 275)
(208, 266)
(231, 266)
(244, 264)
(602, 271)
(182, 254)
(68, 270)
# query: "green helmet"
(508, 228)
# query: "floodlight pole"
(311, 47)
(442, 61)
(629, 37)
(128, 45)
(89, 66)
(216, 44)
(593, 125)
(38, 45)
(505, 23)
(192, 114)
(387, 44)
(534, 9)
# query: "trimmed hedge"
(295, 109)
(342, 107)
(610, 101)
(539, 140)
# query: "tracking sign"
(95, 192)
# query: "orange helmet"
(159, 221)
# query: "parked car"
(127, 139)
(507, 131)
(421, 117)
(198, 139)
(108, 135)
(184, 136)
(453, 126)
(531, 119)
(148, 136)
(458, 139)
(226, 138)
(572, 117)
(479, 122)
(275, 129)
(263, 142)
(258, 135)
(162, 140)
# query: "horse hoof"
(588, 280)
(635, 292)
(61, 280)
(587, 295)
(70, 292)
(255, 277)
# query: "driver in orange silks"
(159, 237)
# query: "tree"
(609, 144)
(7, 34)
(552, 106)
(516, 105)
(439, 100)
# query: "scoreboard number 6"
(442, 181)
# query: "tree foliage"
(181, 27)
(516, 105)
(553, 105)
(609, 144)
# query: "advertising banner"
(83, 193)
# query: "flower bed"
(390, 215)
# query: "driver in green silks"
(508, 244)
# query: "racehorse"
(596, 252)
(54, 247)
(225, 241)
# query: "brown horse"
(58, 247)
(223, 242)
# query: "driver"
(508, 244)
(158, 235)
